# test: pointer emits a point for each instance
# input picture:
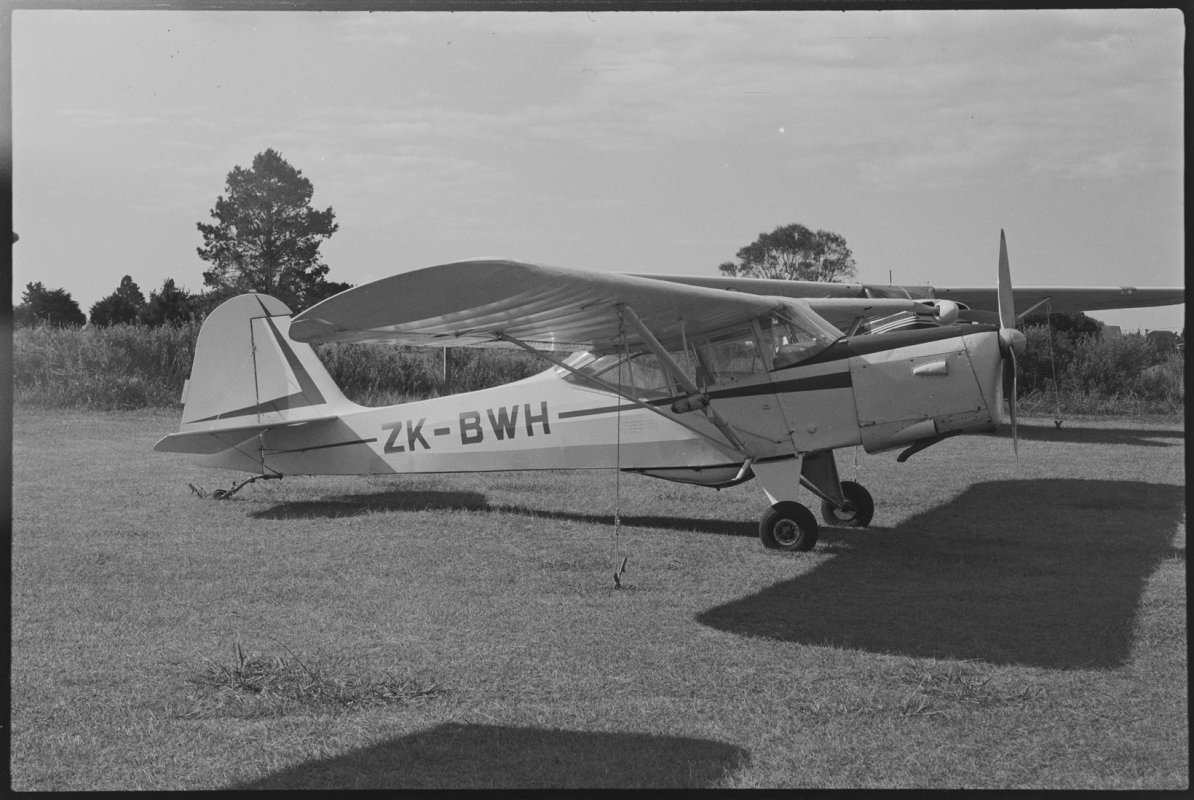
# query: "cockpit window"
(730, 358)
(790, 335)
(639, 375)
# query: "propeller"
(1011, 341)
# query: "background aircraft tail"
(248, 373)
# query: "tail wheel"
(788, 526)
(857, 512)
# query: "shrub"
(117, 367)
(377, 375)
(136, 366)
(1125, 375)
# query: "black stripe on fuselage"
(868, 343)
(840, 350)
(322, 446)
(813, 383)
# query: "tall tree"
(266, 236)
(795, 253)
(49, 306)
(122, 306)
(169, 305)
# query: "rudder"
(247, 371)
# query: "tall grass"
(375, 375)
(1090, 375)
(133, 366)
(117, 367)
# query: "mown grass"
(1006, 623)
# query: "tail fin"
(247, 372)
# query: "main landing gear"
(789, 525)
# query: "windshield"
(798, 333)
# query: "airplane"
(670, 377)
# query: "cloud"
(107, 118)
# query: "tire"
(788, 526)
(862, 508)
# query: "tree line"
(265, 238)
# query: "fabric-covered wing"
(476, 302)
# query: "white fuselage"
(879, 399)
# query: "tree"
(170, 305)
(326, 290)
(120, 307)
(266, 236)
(1072, 324)
(53, 307)
(793, 252)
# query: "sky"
(614, 141)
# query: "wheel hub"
(846, 512)
(787, 532)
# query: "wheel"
(788, 526)
(859, 510)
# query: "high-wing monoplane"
(670, 377)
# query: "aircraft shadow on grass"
(1139, 437)
(351, 505)
(455, 756)
(961, 582)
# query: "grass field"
(1005, 623)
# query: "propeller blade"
(1007, 306)
(1010, 368)
(1010, 386)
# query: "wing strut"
(682, 378)
(1020, 317)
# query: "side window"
(640, 375)
(731, 357)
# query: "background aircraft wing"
(841, 302)
(1065, 298)
(473, 302)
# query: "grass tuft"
(958, 687)
(257, 685)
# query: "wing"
(477, 302)
(840, 302)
